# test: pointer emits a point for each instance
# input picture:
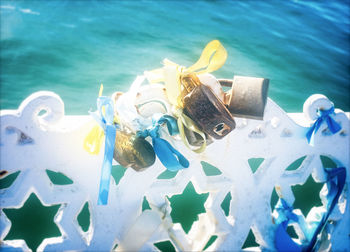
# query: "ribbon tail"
(190, 124)
(168, 155)
(333, 126)
(212, 58)
(182, 133)
(107, 165)
(283, 242)
(92, 142)
(310, 135)
(337, 178)
(336, 182)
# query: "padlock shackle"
(225, 82)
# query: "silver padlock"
(247, 97)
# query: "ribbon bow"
(105, 117)
(212, 58)
(172, 159)
(323, 116)
(283, 242)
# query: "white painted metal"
(54, 141)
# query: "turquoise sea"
(70, 47)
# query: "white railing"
(33, 143)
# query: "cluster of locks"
(189, 101)
(190, 104)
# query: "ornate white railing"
(33, 143)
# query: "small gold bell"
(132, 151)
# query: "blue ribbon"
(172, 159)
(104, 118)
(323, 115)
(283, 242)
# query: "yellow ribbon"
(212, 58)
(93, 140)
(184, 121)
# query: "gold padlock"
(133, 151)
(205, 108)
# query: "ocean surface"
(70, 47)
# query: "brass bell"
(132, 151)
(207, 110)
(247, 97)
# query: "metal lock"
(208, 111)
(132, 151)
(247, 97)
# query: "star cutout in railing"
(33, 222)
(187, 206)
(307, 195)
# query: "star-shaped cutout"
(33, 222)
(307, 195)
(187, 206)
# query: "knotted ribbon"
(184, 121)
(104, 116)
(323, 116)
(283, 242)
(212, 58)
(172, 159)
(286, 215)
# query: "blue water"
(70, 47)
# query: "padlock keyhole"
(221, 129)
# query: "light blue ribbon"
(105, 120)
(323, 115)
(283, 242)
(172, 159)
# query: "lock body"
(248, 97)
(208, 111)
(132, 151)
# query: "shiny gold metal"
(132, 151)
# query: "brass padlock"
(247, 97)
(206, 109)
(133, 151)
